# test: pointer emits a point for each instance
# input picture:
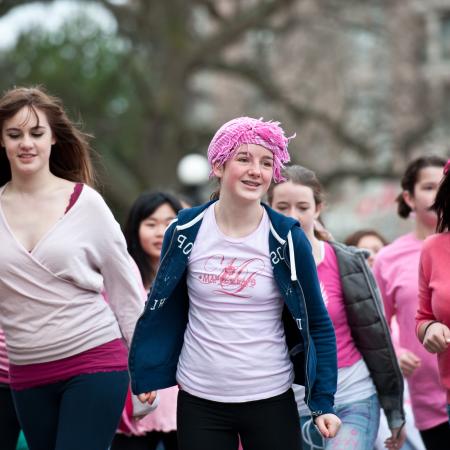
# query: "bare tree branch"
(299, 112)
(415, 136)
(213, 10)
(233, 28)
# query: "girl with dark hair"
(368, 239)
(235, 314)
(368, 373)
(396, 270)
(147, 221)
(60, 247)
(433, 314)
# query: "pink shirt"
(396, 270)
(234, 345)
(108, 357)
(434, 293)
(330, 284)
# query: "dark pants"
(436, 438)
(9, 424)
(269, 424)
(148, 442)
(80, 413)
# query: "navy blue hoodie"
(158, 337)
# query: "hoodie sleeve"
(320, 328)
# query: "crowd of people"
(239, 323)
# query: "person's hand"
(408, 362)
(397, 438)
(328, 425)
(147, 397)
(437, 338)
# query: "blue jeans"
(360, 421)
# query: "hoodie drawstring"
(292, 257)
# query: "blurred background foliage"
(364, 84)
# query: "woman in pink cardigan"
(60, 246)
(433, 314)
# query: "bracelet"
(428, 326)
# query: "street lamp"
(193, 173)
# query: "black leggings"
(79, 413)
(148, 442)
(435, 438)
(9, 424)
(269, 424)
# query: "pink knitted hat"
(246, 130)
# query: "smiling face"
(297, 201)
(27, 138)
(151, 230)
(247, 175)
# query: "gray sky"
(49, 16)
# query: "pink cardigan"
(51, 306)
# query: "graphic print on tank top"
(232, 276)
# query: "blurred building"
(364, 84)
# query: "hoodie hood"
(280, 223)
(280, 227)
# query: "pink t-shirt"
(330, 284)
(234, 345)
(396, 270)
(434, 293)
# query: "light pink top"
(164, 418)
(234, 345)
(434, 292)
(4, 362)
(396, 270)
(51, 306)
(330, 284)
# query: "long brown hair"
(70, 157)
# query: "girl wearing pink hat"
(236, 314)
